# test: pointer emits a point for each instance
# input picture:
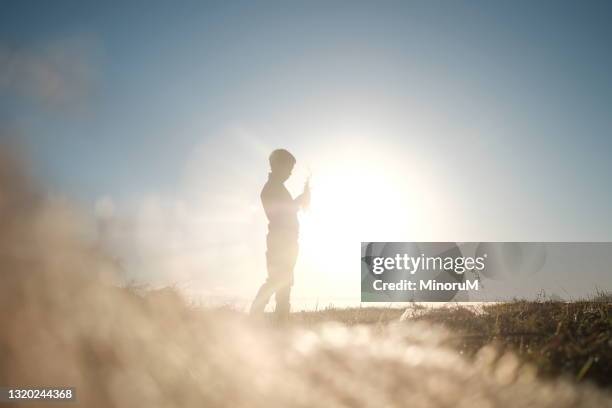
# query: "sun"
(352, 201)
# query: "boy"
(282, 239)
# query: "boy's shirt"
(281, 210)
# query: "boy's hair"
(281, 158)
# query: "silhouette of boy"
(282, 239)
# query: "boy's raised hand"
(305, 197)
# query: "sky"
(419, 120)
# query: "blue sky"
(501, 109)
(537, 71)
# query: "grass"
(560, 339)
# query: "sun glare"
(351, 202)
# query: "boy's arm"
(265, 202)
(303, 200)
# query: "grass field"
(570, 339)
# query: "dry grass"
(559, 339)
(573, 339)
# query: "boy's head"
(281, 163)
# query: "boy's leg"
(270, 285)
(281, 261)
(262, 298)
(283, 305)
